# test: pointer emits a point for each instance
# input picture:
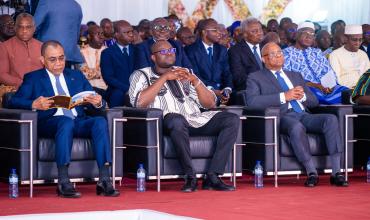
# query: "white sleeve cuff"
(304, 98)
(282, 98)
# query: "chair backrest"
(346, 96)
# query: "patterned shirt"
(187, 104)
(310, 62)
(362, 87)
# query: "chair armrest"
(14, 134)
(141, 126)
(259, 124)
(340, 111)
(240, 98)
(346, 96)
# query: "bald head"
(272, 56)
(123, 32)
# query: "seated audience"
(348, 61)
(284, 22)
(137, 38)
(283, 38)
(339, 39)
(235, 32)
(64, 124)
(160, 30)
(21, 53)
(107, 25)
(272, 25)
(270, 37)
(91, 54)
(275, 87)
(337, 26)
(7, 29)
(117, 64)
(225, 39)
(291, 33)
(144, 29)
(185, 36)
(180, 94)
(313, 66)
(361, 92)
(245, 56)
(323, 42)
(210, 61)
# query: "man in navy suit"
(64, 124)
(245, 56)
(117, 64)
(273, 87)
(210, 61)
(160, 30)
(60, 20)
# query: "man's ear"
(263, 59)
(153, 58)
(42, 59)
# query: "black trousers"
(296, 125)
(224, 125)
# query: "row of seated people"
(222, 70)
(180, 94)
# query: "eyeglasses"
(292, 30)
(26, 27)
(166, 51)
(162, 28)
(354, 39)
(256, 31)
(213, 29)
(55, 59)
(274, 54)
(308, 34)
(367, 33)
(8, 24)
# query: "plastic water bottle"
(258, 175)
(368, 170)
(140, 175)
(13, 184)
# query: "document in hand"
(62, 101)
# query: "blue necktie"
(124, 51)
(257, 56)
(285, 87)
(210, 54)
(60, 90)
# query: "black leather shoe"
(105, 188)
(213, 182)
(66, 190)
(190, 185)
(312, 180)
(338, 180)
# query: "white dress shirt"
(65, 88)
(258, 48)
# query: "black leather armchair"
(140, 138)
(15, 145)
(361, 149)
(258, 132)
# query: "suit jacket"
(242, 63)
(60, 20)
(142, 54)
(116, 70)
(216, 74)
(263, 90)
(37, 83)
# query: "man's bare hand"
(296, 93)
(176, 74)
(93, 99)
(42, 103)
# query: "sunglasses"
(166, 51)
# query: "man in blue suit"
(64, 124)
(60, 20)
(209, 60)
(116, 64)
(160, 30)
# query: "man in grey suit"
(273, 87)
(60, 20)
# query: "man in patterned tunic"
(313, 65)
(180, 94)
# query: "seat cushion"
(316, 141)
(82, 149)
(200, 147)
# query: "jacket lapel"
(249, 53)
(203, 53)
(271, 77)
(70, 82)
(46, 83)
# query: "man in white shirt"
(348, 62)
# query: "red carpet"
(291, 200)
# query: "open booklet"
(62, 101)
